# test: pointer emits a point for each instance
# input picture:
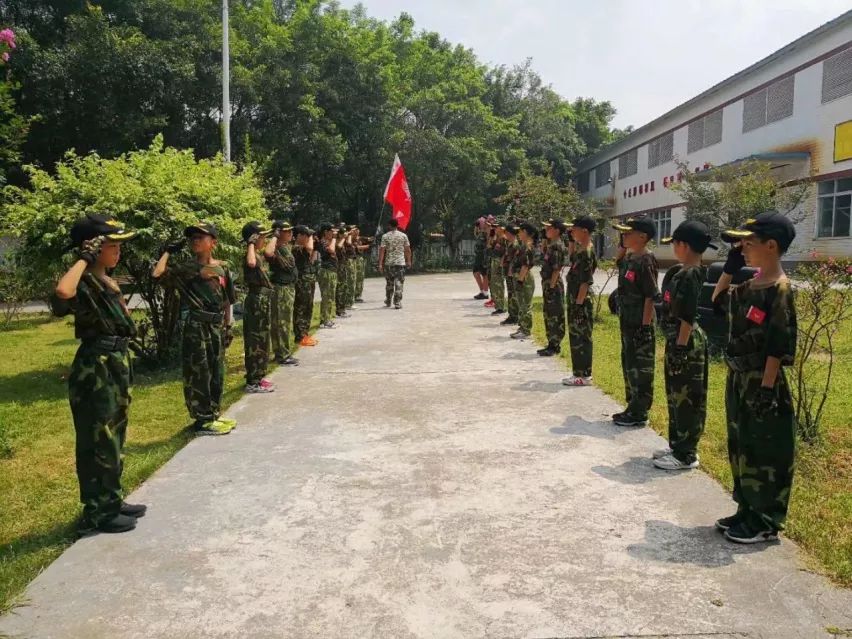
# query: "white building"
(793, 108)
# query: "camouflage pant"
(360, 269)
(637, 363)
(686, 395)
(580, 326)
(394, 282)
(761, 450)
(283, 300)
(256, 329)
(511, 298)
(497, 285)
(352, 271)
(523, 295)
(303, 307)
(553, 309)
(328, 290)
(99, 393)
(342, 292)
(203, 369)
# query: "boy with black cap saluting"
(284, 274)
(257, 308)
(524, 283)
(99, 383)
(206, 288)
(686, 359)
(637, 289)
(510, 234)
(552, 289)
(306, 257)
(581, 272)
(327, 273)
(761, 424)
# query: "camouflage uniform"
(637, 281)
(582, 266)
(256, 320)
(327, 281)
(479, 247)
(306, 285)
(205, 291)
(352, 272)
(342, 291)
(508, 271)
(99, 393)
(686, 392)
(360, 269)
(495, 276)
(761, 444)
(553, 307)
(525, 290)
(284, 274)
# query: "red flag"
(398, 195)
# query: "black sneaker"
(742, 533)
(133, 510)
(725, 523)
(498, 311)
(290, 361)
(118, 524)
(547, 352)
(387, 304)
(480, 296)
(398, 305)
(508, 321)
(359, 300)
(629, 421)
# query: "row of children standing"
(762, 340)
(281, 266)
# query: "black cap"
(94, 225)
(301, 229)
(770, 225)
(585, 222)
(206, 228)
(529, 227)
(694, 233)
(325, 226)
(254, 228)
(556, 223)
(511, 228)
(282, 225)
(641, 224)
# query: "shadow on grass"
(700, 546)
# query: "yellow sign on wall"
(843, 141)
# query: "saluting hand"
(90, 250)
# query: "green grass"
(38, 487)
(820, 516)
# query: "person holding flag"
(398, 195)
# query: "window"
(835, 201)
(663, 221)
(704, 132)
(768, 105)
(837, 76)
(628, 164)
(661, 150)
(583, 182)
(602, 173)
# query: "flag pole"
(379, 221)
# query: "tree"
(13, 126)
(540, 198)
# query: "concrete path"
(421, 475)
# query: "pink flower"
(8, 36)
(849, 270)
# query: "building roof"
(637, 136)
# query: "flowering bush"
(7, 44)
(823, 306)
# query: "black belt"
(259, 290)
(111, 343)
(204, 316)
(744, 363)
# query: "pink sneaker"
(266, 384)
(577, 381)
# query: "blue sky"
(645, 57)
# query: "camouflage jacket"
(98, 309)
(202, 287)
(581, 270)
(553, 258)
(637, 281)
(257, 277)
(762, 323)
(681, 291)
(282, 265)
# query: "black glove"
(254, 238)
(735, 261)
(175, 247)
(644, 335)
(228, 336)
(90, 250)
(763, 401)
(677, 358)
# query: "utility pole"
(226, 84)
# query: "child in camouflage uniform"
(206, 288)
(581, 272)
(686, 359)
(637, 289)
(524, 283)
(495, 278)
(761, 420)
(327, 274)
(307, 265)
(510, 232)
(284, 275)
(257, 309)
(552, 289)
(99, 383)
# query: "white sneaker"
(662, 452)
(670, 462)
(573, 380)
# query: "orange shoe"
(307, 340)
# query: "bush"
(16, 289)
(157, 191)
